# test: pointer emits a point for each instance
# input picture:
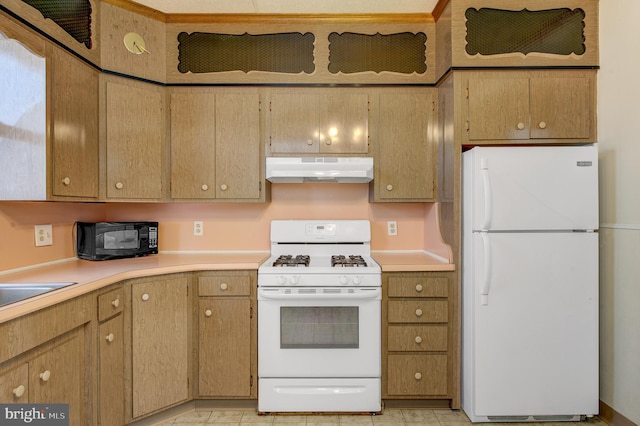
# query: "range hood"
(319, 169)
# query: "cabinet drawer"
(418, 311)
(224, 286)
(417, 375)
(418, 287)
(409, 338)
(110, 304)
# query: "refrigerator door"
(532, 188)
(531, 342)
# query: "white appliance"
(530, 283)
(319, 307)
(319, 169)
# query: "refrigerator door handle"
(486, 184)
(486, 277)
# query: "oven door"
(319, 332)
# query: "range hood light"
(319, 169)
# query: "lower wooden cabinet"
(418, 350)
(227, 335)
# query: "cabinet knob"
(418, 376)
(418, 312)
(204, 187)
(145, 297)
(208, 313)
(223, 286)
(328, 142)
(309, 142)
(119, 185)
(419, 288)
(223, 187)
(389, 187)
(542, 125)
(418, 339)
(109, 337)
(45, 375)
(19, 391)
(520, 126)
(66, 181)
(116, 303)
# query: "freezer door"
(534, 331)
(532, 188)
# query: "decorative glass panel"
(402, 53)
(555, 31)
(209, 52)
(73, 16)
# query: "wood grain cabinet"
(159, 327)
(227, 335)
(405, 149)
(111, 357)
(323, 121)
(215, 145)
(73, 110)
(134, 132)
(531, 107)
(417, 336)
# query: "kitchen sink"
(11, 293)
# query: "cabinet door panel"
(160, 375)
(237, 133)
(417, 375)
(111, 373)
(498, 108)
(294, 123)
(74, 127)
(193, 131)
(344, 123)
(225, 347)
(561, 108)
(406, 157)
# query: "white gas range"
(319, 304)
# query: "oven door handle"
(373, 294)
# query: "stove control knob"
(294, 280)
(356, 280)
(344, 280)
(281, 280)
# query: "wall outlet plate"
(44, 235)
(392, 228)
(198, 228)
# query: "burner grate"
(292, 261)
(347, 261)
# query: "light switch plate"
(44, 235)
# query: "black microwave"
(115, 240)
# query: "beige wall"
(619, 127)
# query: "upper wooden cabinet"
(323, 121)
(531, 107)
(215, 145)
(133, 122)
(486, 33)
(73, 110)
(405, 149)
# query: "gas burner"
(290, 261)
(351, 261)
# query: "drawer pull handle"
(224, 187)
(66, 181)
(45, 375)
(145, 297)
(542, 125)
(520, 126)
(19, 391)
(109, 337)
(116, 303)
(418, 376)
(389, 187)
(309, 142)
(419, 288)
(418, 339)
(119, 185)
(204, 187)
(223, 286)
(418, 312)
(208, 313)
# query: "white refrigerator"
(530, 283)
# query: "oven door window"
(314, 327)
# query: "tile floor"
(390, 417)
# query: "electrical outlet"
(44, 235)
(392, 228)
(198, 228)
